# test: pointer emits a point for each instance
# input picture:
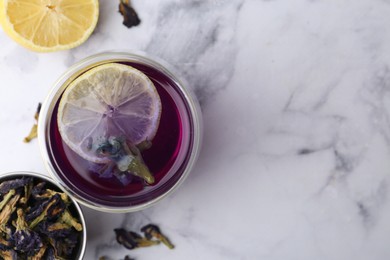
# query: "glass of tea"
(120, 131)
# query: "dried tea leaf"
(130, 16)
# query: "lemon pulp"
(49, 25)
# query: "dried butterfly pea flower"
(48, 193)
(68, 219)
(6, 186)
(8, 232)
(36, 210)
(124, 238)
(126, 157)
(53, 200)
(132, 240)
(38, 229)
(4, 244)
(26, 240)
(27, 193)
(9, 254)
(143, 242)
(56, 230)
(124, 177)
(145, 145)
(56, 209)
(32, 135)
(69, 243)
(6, 212)
(62, 246)
(152, 231)
(130, 17)
(39, 255)
(38, 189)
(34, 130)
(137, 166)
(50, 255)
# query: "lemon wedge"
(49, 25)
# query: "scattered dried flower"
(132, 240)
(34, 130)
(152, 231)
(130, 17)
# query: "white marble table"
(296, 99)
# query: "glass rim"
(70, 74)
(83, 245)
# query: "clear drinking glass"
(172, 156)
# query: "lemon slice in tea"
(49, 25)
(110, 100)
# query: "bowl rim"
(87, 63)
(15, 174)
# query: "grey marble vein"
(198, 37)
